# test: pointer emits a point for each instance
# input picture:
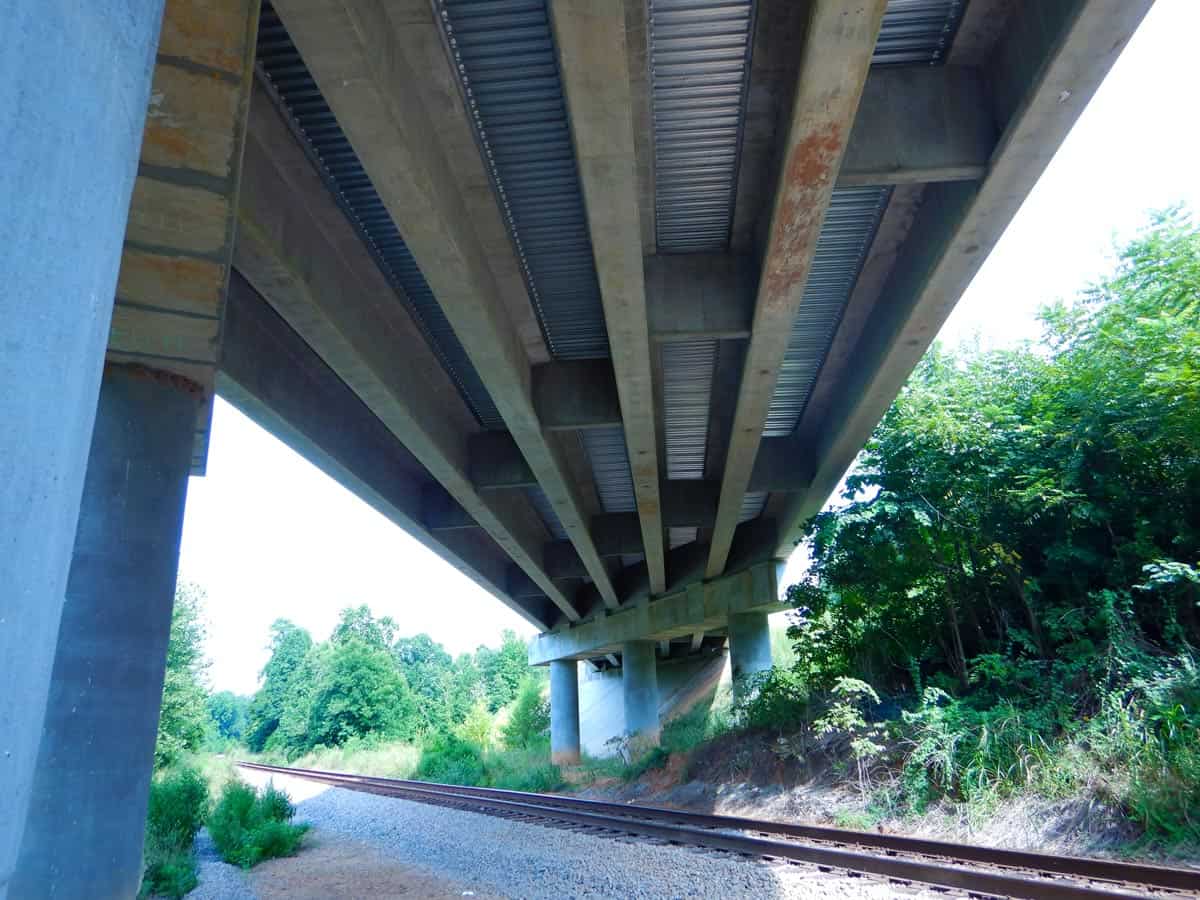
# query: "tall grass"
(177, 807)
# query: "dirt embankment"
(743, 775)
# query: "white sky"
(268, 535)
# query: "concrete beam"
(920, 124)
(1043, 72)
(383, 72)
(781, 466)
(700, 295)
(679, 613)
(697, 640)
(595, 71)
(271, 375)
(576, 393)
(561, 560)
(496, 462)
(833, 68)
(441, 512)
(180, 232)
(617, 534)
(689, 503)
(300, 253)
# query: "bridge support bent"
(749, 648)
(639, 687)
(564, 712)
(76, 81)
(82, 835)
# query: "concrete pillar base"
(82, 836)
(564, 712)
(639, 682)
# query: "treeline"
(1014, 561)
(366, 682)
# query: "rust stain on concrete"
(806, 177)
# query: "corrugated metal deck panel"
(917, 31)
(326, 144)
(687, 390)
(699, 63)
(545, 509)
(846, 236)
(610, 466)
(753, 503)
(508, 71)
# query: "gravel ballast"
(218, 880)
(520, 859)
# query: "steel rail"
(651, 821)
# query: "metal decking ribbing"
(317, 129)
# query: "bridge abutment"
(82, 835)
(564, 712)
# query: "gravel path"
(515, 859)
(218, 880)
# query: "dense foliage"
(183, 720)
(248, 827)
(178, 803)
(1016, 552)
(365, 683)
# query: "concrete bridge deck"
(598, 299)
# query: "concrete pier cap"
(687, 609)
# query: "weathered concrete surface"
(702, 606)
(682, 683)
(299, 252)
(564, 712)
(700, 295)
(1044, 70)
(918, 125)
(175, 267)
(639, 693)
(271, 375)
(73, 88)
(595, 72)
(82, 835)
(409, 140)
(749, 647)
(833, 68)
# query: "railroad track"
(976, 870)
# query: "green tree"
(361, 693)
(290, 645)
(464, 689)
(229, 713)
(182, 720)
(357, 623)
(529, 721)
(1006, 511)
(503, 670)
(429, 670)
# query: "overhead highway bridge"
(597, 299)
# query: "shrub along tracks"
(964, 867)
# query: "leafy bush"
(248, 827)
(529, 720)
(776, 700)
(178, 802)
(449, 759)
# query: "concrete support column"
(564, 712)
(74, 86)
(749, 647)
(82, 835)
(639, 682)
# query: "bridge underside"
(597, 300)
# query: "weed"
(248, 828)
